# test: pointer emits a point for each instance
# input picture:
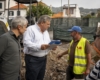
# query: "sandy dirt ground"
(55, 69)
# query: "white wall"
(64, 13)
(12, 3)
(3, 8)
(22, 13)
(76, 13)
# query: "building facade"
(13, 9)
(2, 6)
(71, 10)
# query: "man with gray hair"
(10, 60)
(36, 41)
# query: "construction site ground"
(55, 69)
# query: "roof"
(21, 6)
(57, 15)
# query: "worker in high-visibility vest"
(79, 55)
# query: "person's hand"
(87, 72)
(44, 46)
(59, 56)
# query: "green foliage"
(40, 10)
(91, 15)
(87, 16)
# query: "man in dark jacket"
(10, 61)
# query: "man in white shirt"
(36, 42)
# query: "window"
(71, 11)
(11, 13)
(0, 5)
(18, 13)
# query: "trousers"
(35, 67)
(70, 75)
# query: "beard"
(74, 38)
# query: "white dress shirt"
(33, 38)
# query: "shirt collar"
(12, 34)
(38, 27)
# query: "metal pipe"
(37, 13)
(18, 8)
(61, 5)
(68, 9)
(30, 11)
(68, 13)
(8, 9)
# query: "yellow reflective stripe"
(80, 57)
(80, 61)
(81, 65)
(7, 24)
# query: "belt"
(36, 56)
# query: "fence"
(61, 25)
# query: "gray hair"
(43, 19)
(19, 20)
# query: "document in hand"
(54, 43)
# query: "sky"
(91, 4)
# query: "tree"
(39, 10)
(87, 16)
(92, 13)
